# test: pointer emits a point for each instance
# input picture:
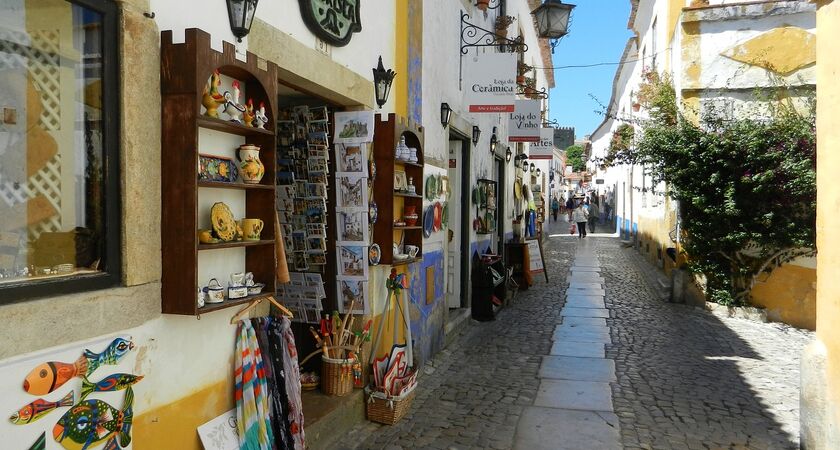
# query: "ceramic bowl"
(256, 288)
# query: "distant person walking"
(593, 215)
(555, 207)
(580, 216)
(570, 206)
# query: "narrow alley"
(594, 360)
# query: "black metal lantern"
(445, 114)
(241, 14)
(552, 18)
(538, 171)
(476, 134)
(382, 80)
(520, 161)
(533, 167)
(508, 154)
(493, 141)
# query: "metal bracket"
(498, 4)
(476, 36)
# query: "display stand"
(488, 281)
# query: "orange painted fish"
(39, 408)
(51, 375)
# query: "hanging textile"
(280, 335)
(251, 392)
(272, 353)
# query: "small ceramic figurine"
(412, 157)
(248, 116)
(211, 99)
(410, 187)
(402, 152)
(260, 119)
(232, 106)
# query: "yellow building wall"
(789, 295)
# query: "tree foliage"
(746, 188)
(574, 158)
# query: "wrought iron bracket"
(476, 36)
(490, 3)
(526, 90)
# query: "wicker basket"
(336, 376)
(387, 410)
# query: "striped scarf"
(251, 392)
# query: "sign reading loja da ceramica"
(525, 121)
(490, 82)
(334, 21)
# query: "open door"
(454, 290)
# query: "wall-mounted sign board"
(490, 82)
(525, 122)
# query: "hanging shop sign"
(524, 122)
(544, 148)
(490, 82)
(334, 21)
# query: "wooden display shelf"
(226, 185)
(235, 244)
(406, 261)
(208, 307)
(226, 126)
(408, 163)
(413, 227)
(406, 194)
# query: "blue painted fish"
(91, 422)
(51, 375)
(39, 408)
(115, 382)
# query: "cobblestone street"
(682, 378)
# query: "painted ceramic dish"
(445, 218)
(438, 216)
(428, 221)
(217, 168)
(374, 254)
(431, 187)
(223, 223)
(373, 212)
(372, 170)
(517, 190)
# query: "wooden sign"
(536, 261)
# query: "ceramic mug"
(215, 292)
(412, 250)
(251, 229)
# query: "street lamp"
(520, 161)
(382, 80)
(493, 141)
(538, 171)
(241, 14)
(552, 19)
(445, 114)
(508, 155)
(533, 167)
(476, 134)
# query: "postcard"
(352, 262)
(355, 293)
(354, 127)
(351, 192)
(351, 158)
(352, 227)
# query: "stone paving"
(675, 376)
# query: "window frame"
(111, 273)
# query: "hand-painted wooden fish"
(41, 443)
(90, 422)
(39, 408)
(51, 375)
(115, 382)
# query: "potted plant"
(502, 24)
(530, 87)
(482, 4)
(521, 70)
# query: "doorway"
(458, 251)
(500, 206)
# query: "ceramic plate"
(223, 223)
(438, 216)
(373, 211)
(217, 168)
(429, 221)
(517, 190)
(445, 218)
(431, 187)
(374, 254)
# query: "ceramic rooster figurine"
(211, 98)
(232, 106)
(249, 113)
(260, 118)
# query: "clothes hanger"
(256, 302)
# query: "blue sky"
(598, 34)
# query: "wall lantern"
(508, 154)
(552, 18)
(445, 114)
(476, 134)
(493, 141)
(382, 80)
(533, 167)
(520, 161)
(241, 14)
(538, 171)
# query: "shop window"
(59, 168)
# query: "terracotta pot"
(520, 79)
(636, 107)
(410, 210)
(482, 4)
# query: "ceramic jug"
(252, 169)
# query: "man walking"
(593, 215)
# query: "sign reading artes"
(334, 21)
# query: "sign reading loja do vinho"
(525, 121)
(490, 82)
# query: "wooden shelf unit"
(185, 69)
(391, 204)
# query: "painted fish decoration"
(91, 422)
(41, 443)
(51, 375)
(39, 408)
(115, 382)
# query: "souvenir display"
(232, 107)
(214, 292)
(111, 383)
(40, 408)
(374, 254)
(429, 221)
(50, 376)
(354, 127)
(217, 168)
(438, 213)
(211, 99)
(100, 422)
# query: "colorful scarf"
(251, 392)
(272, 352)
(280, 330)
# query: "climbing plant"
(574, 158)
(746, 187)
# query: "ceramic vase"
(251, 168)
(410, 216)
